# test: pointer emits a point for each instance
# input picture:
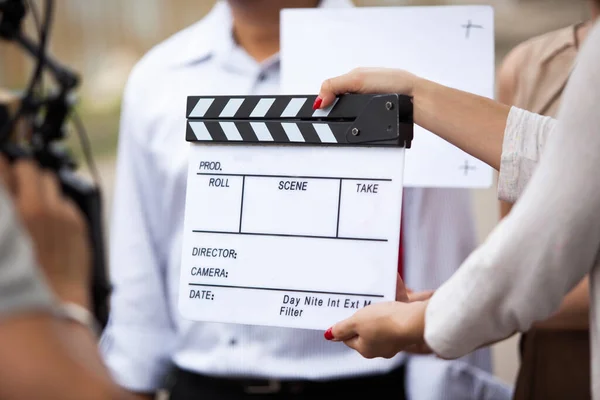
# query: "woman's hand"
(367, 80)
(474, 124)
(408, 296)
(383, 329)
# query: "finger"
(401, 292)
(6, 174)
(342, 331)
(27, 183)
(332, 87)
(420, 296)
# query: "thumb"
(342, 331)
(348, 83)
(401, 291)
(420, 296)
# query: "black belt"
(189, 381)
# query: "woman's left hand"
(384, 329)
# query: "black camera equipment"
(36, 122)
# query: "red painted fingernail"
(317, 103)
(328, 334)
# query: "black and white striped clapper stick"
(353, 119)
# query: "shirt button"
(232, 342)
(262, 76)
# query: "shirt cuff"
(437, 337)
(138, 358)
(524, 138)
(508, 177)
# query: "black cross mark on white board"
(467, 167)
(468, 27)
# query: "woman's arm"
(473, 123)
(574, 310)
(519, 275)
(548, 242)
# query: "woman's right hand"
(473, 123)
(367, 80)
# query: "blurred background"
(102, 40)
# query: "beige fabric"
(545, 69)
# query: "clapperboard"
(292, 215)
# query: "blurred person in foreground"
(555, 354)
(235, 51)
(48, 346)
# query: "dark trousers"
(191, 386)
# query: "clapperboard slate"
(292, 215)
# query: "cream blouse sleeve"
(524, 140)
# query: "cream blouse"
(551, 238)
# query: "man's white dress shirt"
(146, 334)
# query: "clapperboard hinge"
(353, 119)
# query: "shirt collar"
(565, 38)
(212, 35)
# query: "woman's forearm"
(474, 124)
